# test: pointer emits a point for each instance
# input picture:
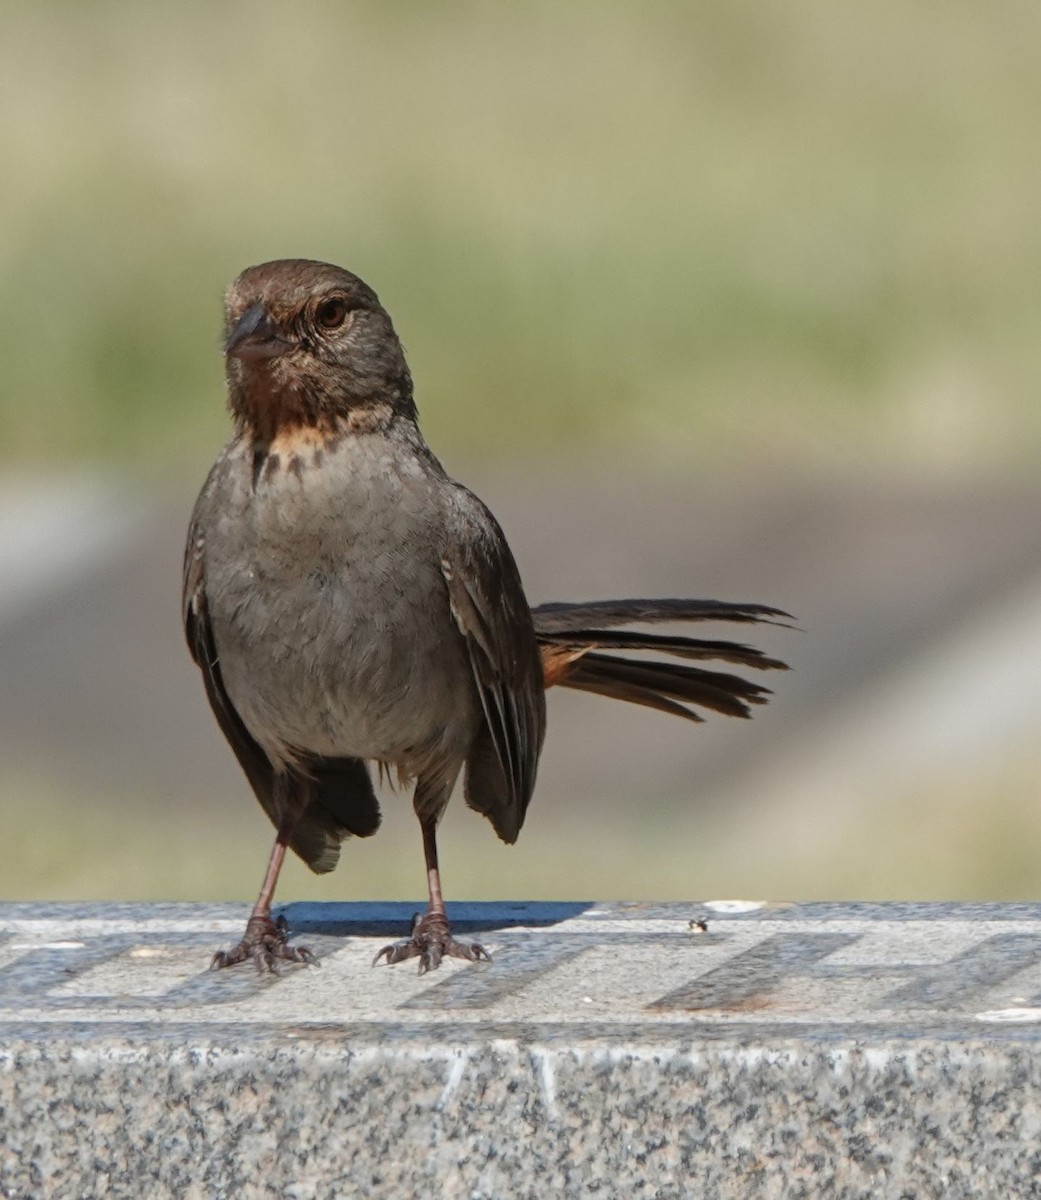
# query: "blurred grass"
(801, 234)
(939, 843)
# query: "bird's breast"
(330, 612)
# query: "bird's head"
(309, 346)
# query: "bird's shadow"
(373, 918)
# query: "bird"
(352, 608)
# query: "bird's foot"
(431, 941)
(265, 942)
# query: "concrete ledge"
(610, 1049)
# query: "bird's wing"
(490, 610)
(199, 632)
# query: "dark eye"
(331, 314)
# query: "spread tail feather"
(572, 636)
(562, 617)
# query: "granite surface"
(652, 1051)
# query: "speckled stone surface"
(610, 1050)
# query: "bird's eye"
(331, 314)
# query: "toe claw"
(431, 942)
(265, 943)
(265, 961)
(430, 958)
(395, 952)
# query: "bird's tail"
(573, 639)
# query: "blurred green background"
(727, 241)
(803, 231)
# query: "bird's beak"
(254, 336)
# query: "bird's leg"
(431, 938)
(265, 940)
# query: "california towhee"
(348, 602)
